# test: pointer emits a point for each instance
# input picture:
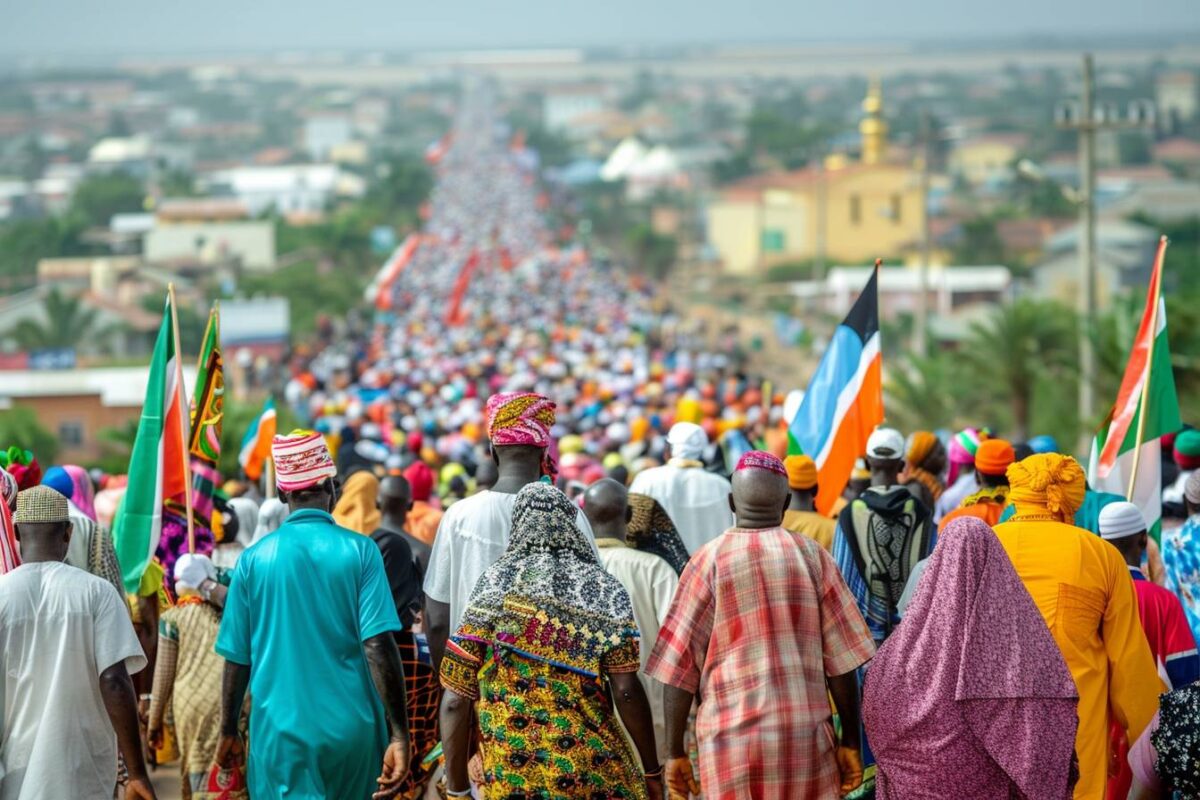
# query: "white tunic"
(60, 628)
(651, 584)
(696, 500)
(472, 536)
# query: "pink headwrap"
(757, 459)
(961, 452)
(519, 418)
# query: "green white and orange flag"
(1146, 409)
(157, 466)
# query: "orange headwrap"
(994, 456)
(801, 472)
(920, 445)
(1047, 483)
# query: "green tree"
(20, 426)
(98, 197)
(403, 184)
(653, 252)
(981, 243)
(1024, 346)
(25, 242)
(68, 323)
(925, 392)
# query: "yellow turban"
(1047, 483)
(801, 472)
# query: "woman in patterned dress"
(548, 644)
(187, 674)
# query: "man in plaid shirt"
(761, 628)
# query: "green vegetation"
(654, 253)
(19, 426)
(99, 197)
(67, 324)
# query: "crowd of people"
(535, 540)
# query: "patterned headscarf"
(1047, 484)
(302, 460)
(10, 559)
(652, 531)
(973, 633)
(760, 460)
(550, 580)
(519, 418)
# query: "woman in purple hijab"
(970, 697)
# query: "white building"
(251, 242)
(131, 154)
(326, 132)
(286, 189)
(563, 105)
(950, 289)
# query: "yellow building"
(988, 158)
(849, 212)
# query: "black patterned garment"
(1177, 741)
(652, 531)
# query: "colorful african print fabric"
(190, 684)
(1181, 562)
(555, 623)
(424, 695)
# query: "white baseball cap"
(885, 443)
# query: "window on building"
(896, 209)
(70, 433)
(773, 240)
(855, 210)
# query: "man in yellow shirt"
(1082, 587)
(801, 515)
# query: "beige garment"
(813, 525)
(651, 584)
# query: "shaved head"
(604, 501)
(606, 505)
(759, 498)
(394, 499)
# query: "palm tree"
(1027, 344)
(68, 322)
(921, 393)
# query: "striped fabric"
(424, 695)
(302, 460)
(9, 559)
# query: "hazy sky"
(135, 26)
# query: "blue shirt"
(301, 603)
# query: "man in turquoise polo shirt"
(307, 628)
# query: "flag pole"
(187, 467)
(1141, 428)
(270, 487)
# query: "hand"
(680, 779)
(395, 767)
(231, 753)
(849, 762)
(139, 789)
(155, 737)
(475, 769)
(654, 788)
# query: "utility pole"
(1087, 121)
(922, 331)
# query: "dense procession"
(534, 538)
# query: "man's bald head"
(395, 497)
(606, 505)
(759, 498)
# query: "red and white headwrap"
(302, 460)
(757, 459)
(519, 418)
